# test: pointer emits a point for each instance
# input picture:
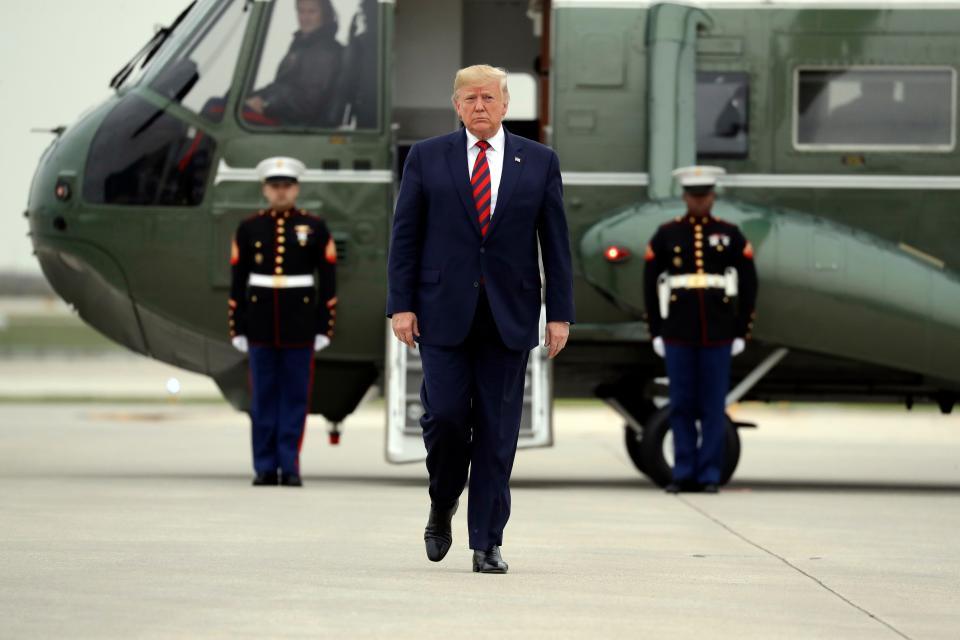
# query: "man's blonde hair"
(481, 74)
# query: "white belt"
(280, 282)
(729, 282)
(698, 281)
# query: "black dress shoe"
(710, 488)
(489, 561)
(291, 481)
(266, 479)
(438, 536)
(683, 486)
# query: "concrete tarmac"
(138, 521)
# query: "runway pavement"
(138, 521)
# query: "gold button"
(257, 244)
(699, 263)
(698, 228)
(281, 249)
(278, 270)
(253, 298)
(698, 253)
(698, 244)
(279, 259)
(281, 239)
(720, 247)
(231, 323)
(673, 298)
(677, 249)
(306, 299)
(699, 270)
(726, 299)
(331, 323)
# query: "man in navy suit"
(464, 283)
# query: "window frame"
(250, 78)
(878, 148)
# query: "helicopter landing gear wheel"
(652, 454)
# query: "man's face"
(481, 108)
(281, 195)
(309, 15)
(700, 205)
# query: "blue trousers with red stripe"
(281, 380)
(699, 381)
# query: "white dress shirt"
(494, 160)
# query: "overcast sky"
(56, 58)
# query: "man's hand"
(256, 103)
(320, 342)
(739, 344)
(659, 348)
(240, 343)
(405, 328)
(556, 339)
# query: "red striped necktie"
(480, 183)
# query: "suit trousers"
(699, 381)
(281, 381)
(472, 396)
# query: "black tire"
(634, 442)
(653, 462)
(641, 412)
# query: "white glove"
(320, 342)
(240, 344)
(739, 344)
(659, 348)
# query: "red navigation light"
(614, 253)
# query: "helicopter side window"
(326, 76)
(142, 156)
(199, 75)
(722, 105)
(884, 109)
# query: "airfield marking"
(774, 554)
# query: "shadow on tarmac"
(545, 483)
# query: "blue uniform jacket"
(439, 259)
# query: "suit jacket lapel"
(512, 168)
(457, 163)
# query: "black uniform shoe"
(489, 561)
(437, 536)
(266, 479)
(291, 481)
(684, 486)
(710, 488)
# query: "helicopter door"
(404, 374)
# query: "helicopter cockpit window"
(883, 109)
(143, 156)
(199, 75)
(318, 67)
(723, 102)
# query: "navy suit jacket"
(438, 257)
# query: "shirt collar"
(497, 142)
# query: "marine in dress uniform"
(700, 288)
(282, 310)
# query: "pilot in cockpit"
(302, 93)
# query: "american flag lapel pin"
(516, 158)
